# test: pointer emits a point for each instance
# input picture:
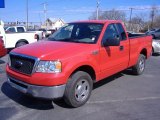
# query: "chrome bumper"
(37, 91)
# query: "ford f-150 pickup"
(73, 58)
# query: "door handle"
(121, 48)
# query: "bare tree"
(157, 21)
(114, 15)
(137, 23)
(110, 15)
(93, 16)
(153, 13)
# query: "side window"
(20, 29)
(11, 30)
(111, 32)
(121, 31)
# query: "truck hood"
(47, 50)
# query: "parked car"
(3, 50)
(44, 31)
(40, 34)
(156, 46)
(22, 29)
(74, 57)
(12, 40)
(49, 32)
(155, 33)
(151, 30)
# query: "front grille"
(22, 64)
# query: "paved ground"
(120, 97)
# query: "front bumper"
(45, 92)
(156, 50)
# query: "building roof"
(53, 20)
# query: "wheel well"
(22, 40)
(144, 52)
(88, 69)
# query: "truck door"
(114, 58)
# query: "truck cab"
(15, 29)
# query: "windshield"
(78, 32)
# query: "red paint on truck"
(106, 51)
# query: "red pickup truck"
(74, 57)
(3, 50)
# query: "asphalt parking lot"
(120, 97)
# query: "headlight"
(49, 67)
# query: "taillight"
(1, 41)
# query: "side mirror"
(111, 42)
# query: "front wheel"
(138, 69)
(78, 89)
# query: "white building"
(52, 23)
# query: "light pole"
(130, 23)
(97, 10)
(27, 13)
(45, 13)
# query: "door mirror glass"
(111, 42)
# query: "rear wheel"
(138, 69)
(78, 89)
(20, 44)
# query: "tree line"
(138, 22)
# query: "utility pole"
(97, 10)
(130, 23)
(27, 14)
(45, 13)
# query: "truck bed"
(130, 35)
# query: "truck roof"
(98, 21)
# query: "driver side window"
(111, 32)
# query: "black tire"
(139, 68)
(20, 44)
(73, 89)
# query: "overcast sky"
(68, 10)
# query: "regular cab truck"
(77, 55)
